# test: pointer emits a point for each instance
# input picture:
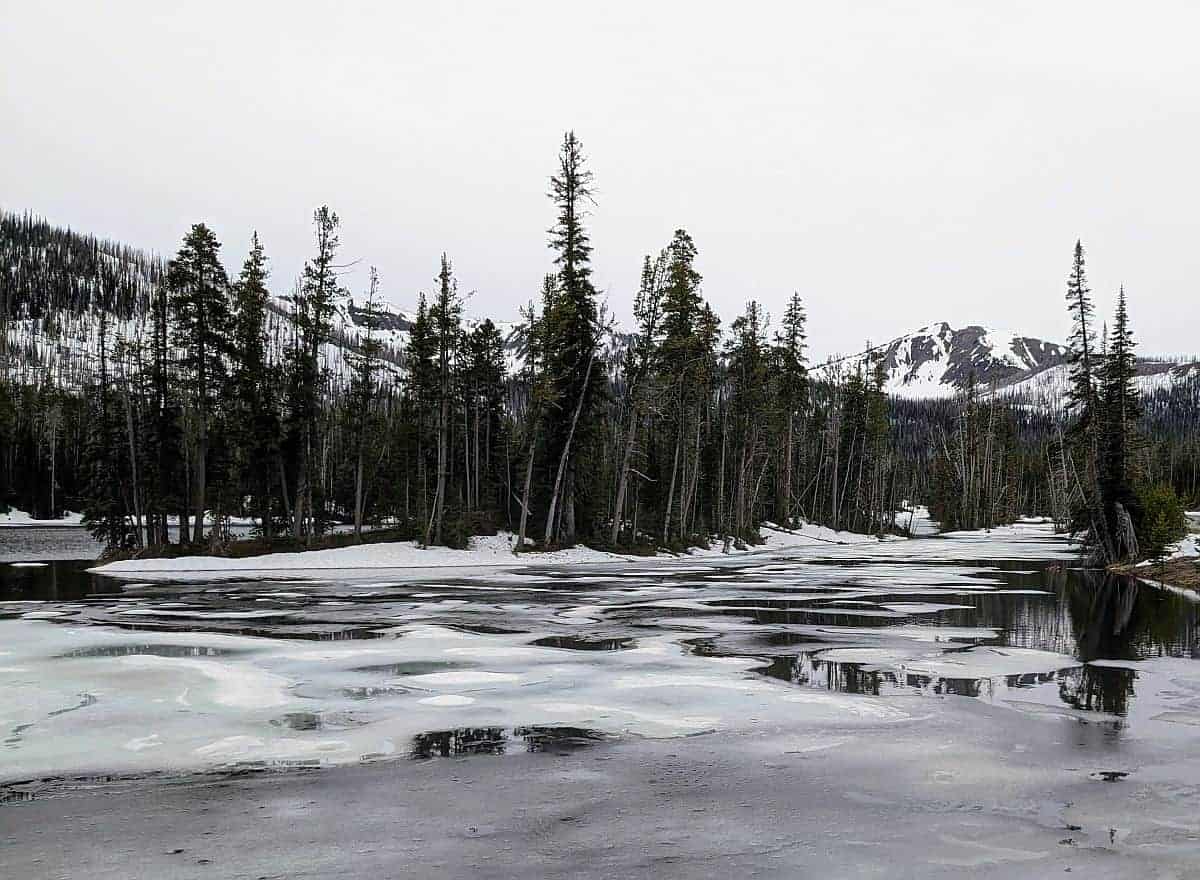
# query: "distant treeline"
(696, 432)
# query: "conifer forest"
(186, 392)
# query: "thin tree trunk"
(562, 460)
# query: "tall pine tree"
(200, 302)
(572, 331)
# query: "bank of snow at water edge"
(20, 519)
(1188, 548)
(484, 551)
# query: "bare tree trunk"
(666, 532)
(563, 459)
(135, 489)
(623, 475)
(525, 491)
(358, 495)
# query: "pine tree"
(1083, 404)
(446, 317)
(314, 305)
(421, 362)
(104, 508)
(483, 398)
(683, 364)
(748, 358)
(572, 329)
(641, 360)
(200, 302)
(363, 390)
(165, 438)
(254, 417)
(1081, 395)
(792, 384)
(1118, 440)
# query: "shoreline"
(485, 552)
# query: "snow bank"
(20, 519)
(1188, 548)
(484, 551)
(916, 520)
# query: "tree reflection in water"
(1093, 615)
(501, 740)
(1119, 618)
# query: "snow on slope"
(939, 360)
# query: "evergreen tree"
(483, 397)
(254, 417)
(792, 393)
(572, 329)
(104, 508)
(314, 305)
(423, 384)
(1118, 440)
(363, 390)
(200, 303)
(684, 366)
(640, 362)
(1088, 514)
(1081, 394)
(446, 318)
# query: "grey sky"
(896, 163)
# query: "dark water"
(502, 740)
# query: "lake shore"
(484, 551)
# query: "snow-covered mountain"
(940, 361)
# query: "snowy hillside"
(940, 361)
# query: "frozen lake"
(377, 665)
(919, 646)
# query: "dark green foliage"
(1162, 520)
(199, 300)
(1081, 395)
(570, 327)
(253, 416)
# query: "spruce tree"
(1088, 515)
(683, 366)
(446, 318)
(572, 329)
(640, 361)
(105, 511)
(484, 394)
(254, 418)
(1081, 393)
(314, 306)
(422, 387)
(792, 383)
(200, 303)
(362, 393)
(1118, 440)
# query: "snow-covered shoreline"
(19, 519)
(486, 551)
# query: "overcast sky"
(895, 163)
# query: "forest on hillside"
(198, 398)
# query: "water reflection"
(502, 740)
(55, 580)
(1090, 615)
